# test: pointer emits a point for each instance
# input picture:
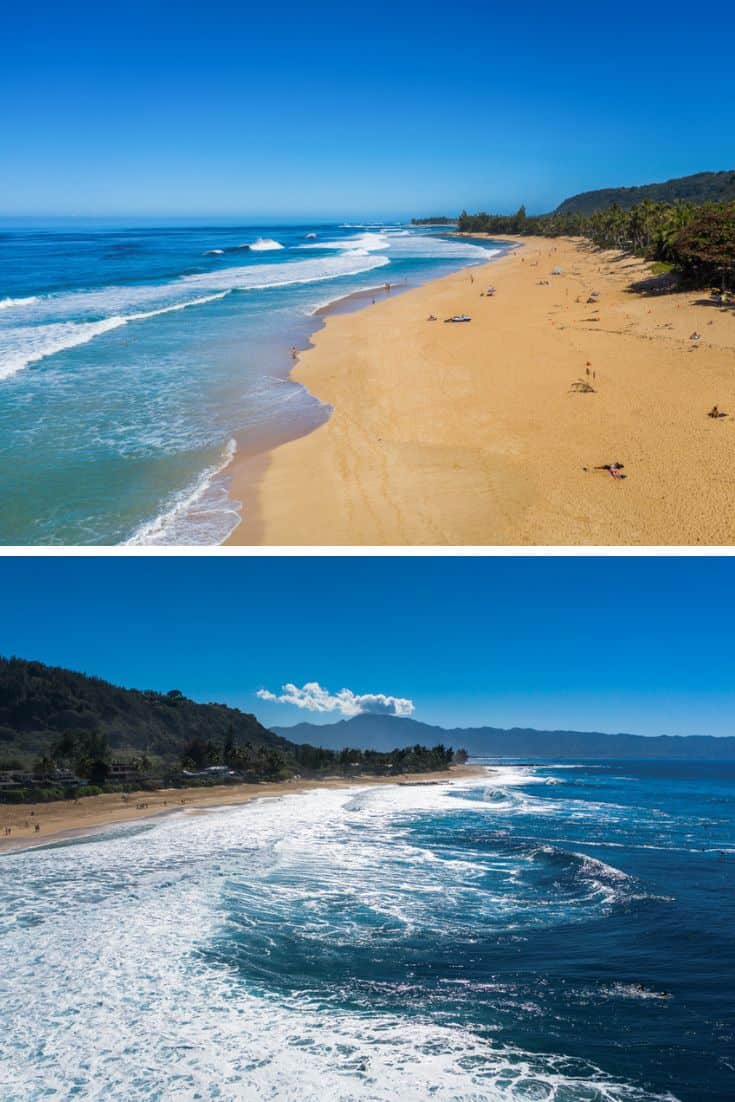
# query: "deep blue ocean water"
(134, 360)
(561, 932)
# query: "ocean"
(537, 932)
(134, 361)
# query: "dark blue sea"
(558, 932)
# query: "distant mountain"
(378, 732)
(38, 703)
(717, 187)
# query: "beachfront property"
(122, 771)
(211, 771)
(12, 780)
(63, 780)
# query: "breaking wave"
(363, 242)
(265, 244)
(21, 345)
(182, 931)
(9, 303)
(203, 514)
(27, 345)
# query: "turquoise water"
(555, 932)
(134, 361)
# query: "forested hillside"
(38, 703)
(63, 732)
(703, 187)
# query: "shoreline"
(479, 435)
(249, 465)
(64, 820)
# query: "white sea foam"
(118, 305)
(363, 242)
(406, 245)
(10, 303)
(633, 991)
(203, 514)
(25, 345)
(121, 979)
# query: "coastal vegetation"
(697, 242)
(63, 734)
(436, 220)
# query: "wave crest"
(264, 244)
(11, 303)
(27, 344)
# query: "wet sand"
(478, 434)
(64, 819)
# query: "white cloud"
(313, 698)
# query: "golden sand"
(69, 818)
(475, 434)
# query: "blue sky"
(336, 110)
(637, 644)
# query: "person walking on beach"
(294, 353)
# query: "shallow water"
(552, 932)
(131, 360)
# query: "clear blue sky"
(643, 645)
(332, 109)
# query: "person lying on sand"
(613, 469)
(431, 317)
(715, 412)
(459, 317)
(695, 336)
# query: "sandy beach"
(476, 434)
(63, 819)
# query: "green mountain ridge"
(38, 703)
(702, 187)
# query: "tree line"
(77, 763)
(274, 763)
(697, 241)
